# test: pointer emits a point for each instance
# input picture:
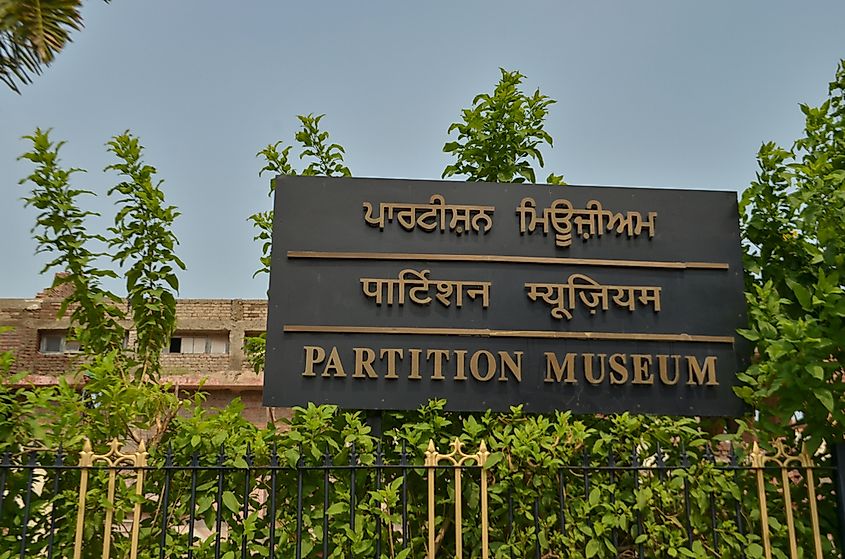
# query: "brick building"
(206, 348)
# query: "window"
(57, 342)
(195, 343)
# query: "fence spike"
(684, 458)
(708, 453)
(274, 455)
(659, 458)
(248, 456)
(403, 458)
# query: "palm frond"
(32, 32)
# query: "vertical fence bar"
(757, 463)
(299, 466)
(740, 525)
(585, 471)
(611, 463)
(685, 464)
(561, 499)
(807, 463)
(192, 504)
(839, 480)
(30, 465)
(218, 520)
(245, 510)
(485, 528)
(787, 504)
(85, 460)
(56, 488)
(107, 530)
(459, 522)
(661, 475)
(379, 463)
(537, 550)
(430, 463)
(711, 459)
(327, 464)
(353, 463)
(403, 461)
(5, 466)
(635, 468)
(139, 461)
(274, 465)
(165, 498)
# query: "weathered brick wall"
(224, 375)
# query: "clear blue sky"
(658, 93)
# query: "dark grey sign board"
(387, 293)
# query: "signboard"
(387, 293)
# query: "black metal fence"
(657, 502)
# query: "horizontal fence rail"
(352, 502)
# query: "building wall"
(224, 376)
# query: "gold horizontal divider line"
(504, 259)
(487, 333)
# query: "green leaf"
(230, 501)
(492, 460)
(593, 547)
(826, 398)
(802, 293)
(816, 371)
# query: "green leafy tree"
(143, 236)
(793, 225)
(323, 158)
(114, 403)
(32, 32)
(501, 134)
(60, 231)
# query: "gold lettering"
(663, 369)
(491, 365)
(363, 363)
(313, 355)
(414, 374)
(432, 216)
(619, 365)
(509, 365)
(698, 374)
(589, 222)
(641, 363)
(335, 364)
(438, 354)
(460, 361)
(588, 368)
(392, 354)
(553, 366)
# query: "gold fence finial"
(757, 456)
(430, 454)
(482, 454)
